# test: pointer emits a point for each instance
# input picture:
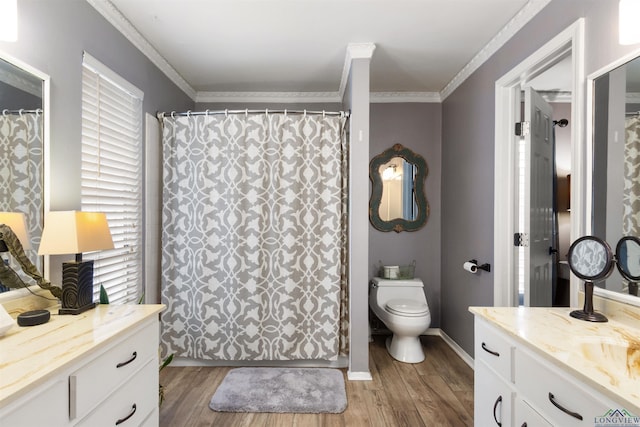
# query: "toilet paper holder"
(486, 266)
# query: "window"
(112, 176)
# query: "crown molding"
(390, 97)
(354, 51)
(122, 24)
(516, 23)
(269, 97)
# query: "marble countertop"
(29, 356)
(605, 356)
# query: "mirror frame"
(588, 166)
(46, 108)
(398, 224)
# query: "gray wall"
(52, 37)
(468, 150)
(417, 126)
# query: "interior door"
(538, 209)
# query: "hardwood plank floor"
(436, 392)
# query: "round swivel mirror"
(590, 259)
(628, 261)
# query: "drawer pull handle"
(552, 399)
(133, 357)
(133, 411)
(495, 406)
(495, 353)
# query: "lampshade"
(18, 224)
(74, 232)
(628, 26)
(9, 20)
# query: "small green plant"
(104, 298)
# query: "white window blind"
(112, 176)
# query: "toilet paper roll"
(470, 267)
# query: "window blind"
(111, 176)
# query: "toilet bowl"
(402, 306)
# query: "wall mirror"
(23, 132)
(398, 201)
(616, 171)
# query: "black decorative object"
(77, 287)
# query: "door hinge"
(522, 128)
(521, 239)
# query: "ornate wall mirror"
(398, 201)
(23, 131)
(616, 160)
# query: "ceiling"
(226, 48)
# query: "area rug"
(292, 390)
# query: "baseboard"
(359, 376)
(455, 347)
(341, 362)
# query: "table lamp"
(75, 232)
(18, 224)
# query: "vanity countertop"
(604, 355)
(31, 355)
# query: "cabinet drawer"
(526, 416)
(131, 403)
(50, 408)
(559, 398)
(494, 349)
(90, 384)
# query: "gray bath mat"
(293, 390)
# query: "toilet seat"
(407, 307)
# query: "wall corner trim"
(359, 376)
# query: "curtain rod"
(632, 113)
(21, 111)
(161, 115)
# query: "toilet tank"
(384, 290)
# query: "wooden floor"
(436, 392)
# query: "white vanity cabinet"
(98, 369)
(534, 386)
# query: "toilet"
(402, 306)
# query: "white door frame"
(505, 194)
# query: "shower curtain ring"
(266, 112)
(188, 113)
(246, 112)
(226, 112)
(173, 114)
(323, 114)
(304, 114)
(20, 111)
(285, 112)
(206, 112)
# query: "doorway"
(507, 208)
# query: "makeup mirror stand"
(587, 313)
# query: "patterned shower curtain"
(631, 190)
(21, 180)
(254, 237)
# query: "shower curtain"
(21, 180)
(254, 237)
(631, 190)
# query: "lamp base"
(77, 287)
(590, 317)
